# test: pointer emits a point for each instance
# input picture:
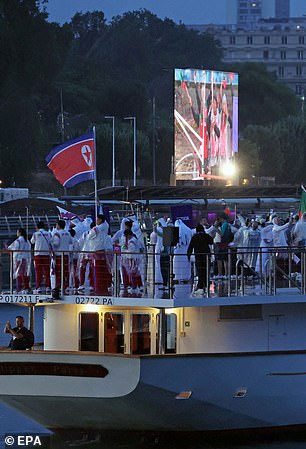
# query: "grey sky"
(190, 11)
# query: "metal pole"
(114, 158)
(134, 149)
(11, 272)
(116, 283)
(171, 274)
(207, 274)
(153, 140)
(229, 271)
(135, 167)
(62, 273)
(274, 275)
(95, 176)
(153, 269)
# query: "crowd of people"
(81, 255)
(78, 255)
(251, 242)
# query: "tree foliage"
(117, 68)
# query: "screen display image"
(206, 122)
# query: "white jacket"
(41, 240)
(61, 242)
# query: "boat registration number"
(103, 301)
(28, 299)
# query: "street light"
(135, 168)
(114, 161)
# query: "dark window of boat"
(52, 369)
(243, 312)
(114, 333)
(140, 333)
(89, 331)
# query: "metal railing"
(156, 274)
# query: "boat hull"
(225, 392)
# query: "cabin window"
(114, 333)
(243, 312)
(89, 331)
(140, 333)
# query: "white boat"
(165, 363)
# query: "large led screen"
(206, 122)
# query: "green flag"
(303, 202)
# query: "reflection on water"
(124, 440)
(142, 440)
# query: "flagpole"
(95, 175)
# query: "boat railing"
(155, 273)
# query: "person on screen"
(225, 131)
(200, 114)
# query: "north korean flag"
(74, 161)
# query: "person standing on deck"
(22, 261)
(41, 239)
(103, 248)
(199, 244)
(85, 261)
(61, 242)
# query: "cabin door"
(140, 332)
(114, 333)
(89, 331)
(277, 332)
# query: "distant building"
(282, 9)
(278, 43)
(246, 13)
(249, 12)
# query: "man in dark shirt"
(22, 338)
(199, 244)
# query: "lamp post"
(134, 147)
(114, 160)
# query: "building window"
(266, 54)
(298, 70)
(284, 40)
(267, 40)
(250, 40)
(300, 54)
(281, 71)
(301, 40)
(283, 54)
(233, 40)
